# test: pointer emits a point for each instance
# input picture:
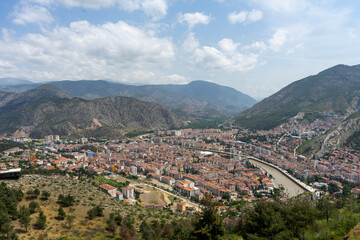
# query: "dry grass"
(86, 196)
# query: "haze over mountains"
(336, 89)
(196, 100)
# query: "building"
(109, 189)
(133, 170)
(10, 174)
(180, 206)
(119, 195)
(168, 180)
(128, 192)
(49, 138)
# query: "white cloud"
(193, 18)
(278, 40)
(27, 13)
(190, 43)
(154, 8)
(93, 4)
(245, 16)
(228, 46)
(85, 51)
(175, 78)
(227, 57)
(283, 6)
(258, 45)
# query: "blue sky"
(255, 46)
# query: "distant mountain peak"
(13, 82)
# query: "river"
(291, 188)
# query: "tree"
(264, 220)
(146, 231)
(45, 195)
(226, 196)
(118, 219)
(66, 201)
(111, 224)
(41, 221)
(208, 225)
(69, 220)
(24, 217)
(5, 224)
(325, 207)
(33, 206)
(61, 214)
(95, 212)
(333, 188)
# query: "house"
(168, 180)
(180, 207)
(119, 195)
(128, 192)
(109, 189)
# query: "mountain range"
(336, 89)
(196, 100)
(48, 110)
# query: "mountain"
(336, 89)
(198, 99)
(14, 82)
(345, 134)
(47, 110)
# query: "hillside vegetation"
(60, 207)
(47, 110)
(336, 89)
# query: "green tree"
(146, 231)
(24, 217)
(45, 195)
(208, 225)
(333, 188)
(264, 220)
(66, 201)
(326, 208)
(95, 212)
(41, 221)
(5, 224)
(33, 206)
(70, 220)
(111, 224)
(61, 214)
(118, 218)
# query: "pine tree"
(24, 217)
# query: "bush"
(95, 212)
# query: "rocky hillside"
(335, 89)
(47, 110)
(345, 134)
(196, 100)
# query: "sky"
(254, 46)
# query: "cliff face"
(345, 134)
